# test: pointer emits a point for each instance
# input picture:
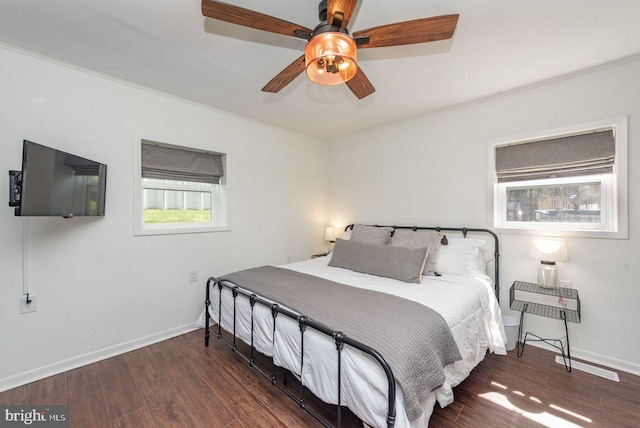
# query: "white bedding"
(467, 303)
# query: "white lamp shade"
(549, 249)
(330, 234)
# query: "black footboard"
(339, 338)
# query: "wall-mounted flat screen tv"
(56, 183)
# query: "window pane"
(161, 181)
(152, 180)
(173, 206)
(153, 199)
(559, 203)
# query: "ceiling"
(167, 45)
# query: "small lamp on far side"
(548, 251)
(330, 235)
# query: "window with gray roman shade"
(171, 163)
(574, 155)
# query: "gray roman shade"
(585, 154)
(171, 163)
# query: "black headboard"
(464, 231)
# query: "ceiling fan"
(331, 53)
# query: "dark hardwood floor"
(180, 383)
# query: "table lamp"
(330, 235)
(548, 251)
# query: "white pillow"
(462, 256)
(346, 235)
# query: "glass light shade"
(330, 58)
(547, 274)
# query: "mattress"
(467, 303)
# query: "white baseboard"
(603, 360)
(91, 357)
(614, 363)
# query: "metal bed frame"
(304, 322)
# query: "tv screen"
(56, 183)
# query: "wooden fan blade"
(249, 18)
(409, 32)
(346, 7)
(286, 76)
(360, 85)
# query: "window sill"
(176, 230)
(564, 233)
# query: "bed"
(339, 368)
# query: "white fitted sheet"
(467, 303)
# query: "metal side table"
(526, 291)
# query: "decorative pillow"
(371, 234)
(403, 264)
(463, 256)
(420, 239)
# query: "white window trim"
(620, 208)
(141, 229)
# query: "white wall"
(100, 289)
(432, 171)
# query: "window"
(573, 181)
(179, 189)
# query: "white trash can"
(511, 325)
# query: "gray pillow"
(403, 264)
(371, 234)
(411, 239)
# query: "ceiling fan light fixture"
(330, 58)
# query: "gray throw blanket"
(415, 340)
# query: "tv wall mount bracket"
(15, 188)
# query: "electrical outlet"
(288, 259)
(193, 276)
(565, 283)
(32, 306)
